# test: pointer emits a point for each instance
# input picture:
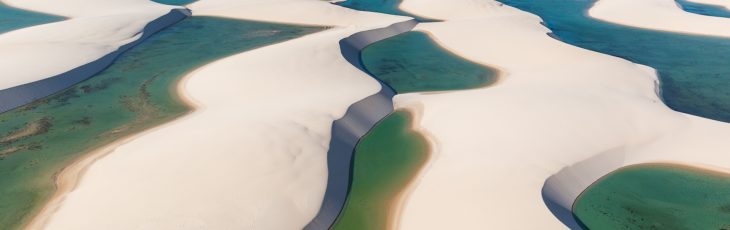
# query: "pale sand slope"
(659, 15)
(557, 107)
(253, 154)
(96, 28)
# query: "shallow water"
(656, 197)
(413, 62)
(385, 160)
(175, 2)
(694, 70)
(13, 18)
(135, 93)
(704, 9)
(381, 6)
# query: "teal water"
(175, 2)
(694, 70)
(413, 62)
(14, 18)
(704, 9)
(656, 196)
(382, 6)
(136, 92)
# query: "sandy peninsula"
(654, 14)
(253, 153)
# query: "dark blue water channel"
(14, 18)
(694, 70)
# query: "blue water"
(381, 6)
(175, 2)
(14, 18)
(694, 70)
(704, 9)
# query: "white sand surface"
(253, 154)
(572, 113)
(663, 15)
(95, 29)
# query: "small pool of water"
(382, 6)
(175, 2)
(413, 62)
(135, 93)
(13, 18)
(386, 159)
(704, 9)
(656, 196)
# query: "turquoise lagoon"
(14, 18)
(694, 70)
(413, 62)
(704, 9)
(695, 75)
(135, 93)
(381, 6)
(175, 2)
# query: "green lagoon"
(389, 156)
(135, 93)
(656, 196)
(386, 159)
(413, 62)
(14, 18)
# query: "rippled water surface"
(656, 197)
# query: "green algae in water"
(656, 196)
(381, 6)
(134, 93)
(413, 62)
(175, 2)
(14, 18)
(385, 160)
(694, 70)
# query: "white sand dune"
(253, 154)
(94, 30)
(571, 115)
(663, 15)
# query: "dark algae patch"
(386, 159)
(135, 93)
(694, 70)
(14, 18)
(413, 62)
(656, 196)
